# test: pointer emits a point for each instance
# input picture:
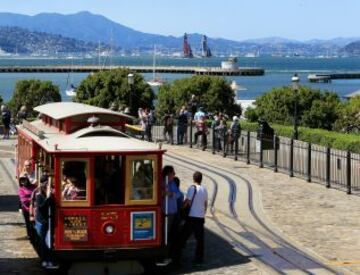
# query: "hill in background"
(22, 41)
(92, 28)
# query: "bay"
(278, 72)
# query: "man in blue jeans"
(43, 203)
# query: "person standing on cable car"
(43, 202)
(171, 192)
(25, 191)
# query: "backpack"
(151, 119)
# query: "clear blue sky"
(233, 19)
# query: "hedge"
(334, 140)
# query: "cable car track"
(300, 256)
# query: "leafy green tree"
(323, 112)
(1, 100)
(107, 87)
(349, 117)
(213, 93)
(316, 109)
(31, 93)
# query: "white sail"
(156, 81)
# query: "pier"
(328, 77)
(241, 71)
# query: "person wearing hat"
(25, 191)
(43, 202)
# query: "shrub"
(317, 136)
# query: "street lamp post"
(295, 86)
(131, 83)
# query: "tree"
(33, 92)
(213, 93)
(349, 117)
(323, 112)
(316, 109)
(1, 100)
(107, 87)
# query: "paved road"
(323, 223)
(236, 215)
(16, 254)
(260, 222)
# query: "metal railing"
(330, 167)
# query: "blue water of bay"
(278, 72)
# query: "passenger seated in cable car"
(70, 191)
(74, 180)
(142, 180)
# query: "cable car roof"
(60, 110)
(89, 139)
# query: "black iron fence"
(330, 167)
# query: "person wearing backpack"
(150, 121)
(196, 198)
(182, 125)
(168, 128)
(235, 129)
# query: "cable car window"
(74, 175)
(141, 179)
(108, 180)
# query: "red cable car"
(106, 185)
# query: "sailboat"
(71, 91)
(70, 88)
(156, 80)
(236, 87)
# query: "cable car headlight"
(109, 229)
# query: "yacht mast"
(154, 62)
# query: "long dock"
(241, 71)
(328, 77)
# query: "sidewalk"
(16, 253)
(324, 221)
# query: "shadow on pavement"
(218, 254)
(9, 203)
(28, 266)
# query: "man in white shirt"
(199, 114)
(196, 197)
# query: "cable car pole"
(166, 209)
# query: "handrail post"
(261, 160)
(248, 148)
(191, 132)
(275, 154)
(237, 146)
(291, 168)
(309, 162)
(348, 172)
(172, 135)
(328, 175)
(213, 140)
(224, 145)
